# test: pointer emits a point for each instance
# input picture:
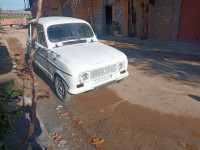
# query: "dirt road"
(156, 107)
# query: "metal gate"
(189, 25)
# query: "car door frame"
(42, 51)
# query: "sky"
(12, 4)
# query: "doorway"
(108, 18)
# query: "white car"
(68, 52)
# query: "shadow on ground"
(197, 98)
(6, 62)
(41, 74)
(21, 125)
(171, 59)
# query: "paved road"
(156, 107)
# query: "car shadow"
(41, 74)
(5, 60)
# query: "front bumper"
(99, 82)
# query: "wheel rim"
(60, 88)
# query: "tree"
(30, 62)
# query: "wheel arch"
(56, 74)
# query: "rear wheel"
(62, 89)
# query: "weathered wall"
(120, 14)
(138, 8)
(49, 8)
(163, 16)
(94, 13)
(176, 18)
(78, 9)
(161, 19)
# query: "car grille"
(95, 74)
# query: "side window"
(41, 37)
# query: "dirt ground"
(156, 107)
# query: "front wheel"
(62, 89)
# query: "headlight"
(85, 76)
(120, 66)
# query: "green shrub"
(7, 114)
(114, 27)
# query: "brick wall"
(13, 21)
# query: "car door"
(41, 55)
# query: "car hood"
(90, 53)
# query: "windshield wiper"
(57, 45)
(74, 42)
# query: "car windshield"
(64, 32)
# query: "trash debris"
(37, 83)
(78, 138)
(75, 118)
(26, 69)
(64, 114)
(61, 143)
(73, 134)
(182, 143)
(50, 93)
(97, 142)
(58, 139)
(79, 122)
(59, 107)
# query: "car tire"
(61, 89)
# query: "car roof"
(48, 21)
